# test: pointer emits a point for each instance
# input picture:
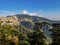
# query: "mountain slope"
(28, 21)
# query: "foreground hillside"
(28, 30)
(19, 35)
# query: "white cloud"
(49, 15)
(25, 12)
(30, 13)
(33, 14)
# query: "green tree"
(24, 43)
(38, 36)
(55, 35)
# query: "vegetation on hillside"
(19, 35)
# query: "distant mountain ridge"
(36, 18)
(28, 21)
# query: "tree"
(55, 35)
(38, 36)
(24, 43)
(22, 36)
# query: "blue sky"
(45, 8)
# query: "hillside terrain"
(28, 21)
(25, 29)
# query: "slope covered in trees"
(20, 35)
